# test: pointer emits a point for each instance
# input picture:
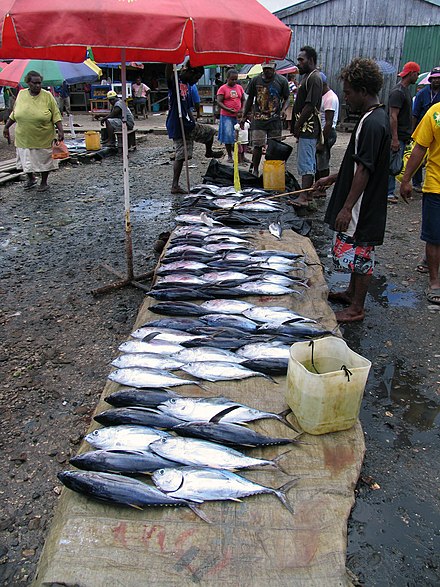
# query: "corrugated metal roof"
(307, 4)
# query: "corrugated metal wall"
(422, 44)
(340, 30)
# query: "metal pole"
(128, 237)
(182, 128)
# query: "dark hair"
(30, 74)
(199, 70)
(230, 72)
(363, 74)
(310, 52)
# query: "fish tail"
(276, 462)
(282, 418)
(281, 494)
(266, 376)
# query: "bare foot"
(178, 190)
(340, 297)
(350, 315)
(300, 202)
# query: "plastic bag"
(396, 163)
(60, 150)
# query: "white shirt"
(330, 101)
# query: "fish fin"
(236, 499)
(132, 505)
(282, 418)
(150, 336)
(199, 513)
(276, 462)
(216, 419)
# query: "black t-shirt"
(400, 97)
(370, 145)
(269, 96)
(309, 91)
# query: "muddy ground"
(58, 340)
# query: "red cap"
(410, 67)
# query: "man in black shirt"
(306, 124)
(400, 110)
(358, 205)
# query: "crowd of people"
(363, 186)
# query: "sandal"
(422, 267)
(433, 295)
(30, 184)
(42, 188)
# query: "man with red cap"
(400, 112)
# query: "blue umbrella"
(385, 67)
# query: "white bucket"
(324, 396)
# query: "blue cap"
(323, 77)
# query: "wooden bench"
(131, 135)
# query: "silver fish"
(124, 437)
(181, 266)
(185, 278)
(276, 229)
(201, 453)
(273, 314)
(227, 306)
(120, 461)
(215, 247)
(209, 484)
(219, 371)
(162, 347)
(216, 238)
(220, 409)
(141, 377)
(164, 334)
(148, 360)
(265, 289)
(283, 280)
(219, 276)
(264, 350)
(203, 353)
(188, 249)
(202, 218)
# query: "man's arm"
(412, 165)
(394, 113)
(358, 185)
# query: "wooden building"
(395, 31)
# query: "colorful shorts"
(351, 258)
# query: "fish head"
(97, 436)
(168, 480)
(179, 406)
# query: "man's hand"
(296, 130)
(6, 133)
(395, 145)
(405, 190)
(283, 115)
(320, 147)
(322, 184)
(342, 220)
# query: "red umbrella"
(167, 31)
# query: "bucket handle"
(344, 368)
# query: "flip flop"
(43, 188)
(422, 268)
(433, 295)
(30, 184)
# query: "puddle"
(385, 293)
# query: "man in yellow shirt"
(427, 136)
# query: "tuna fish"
(124, 437)
(139, 377)
(120, 461)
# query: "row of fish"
(185, 470)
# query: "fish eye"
(161, 471)
(95, 433)
(173, 400)
(163, 440)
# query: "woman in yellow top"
(36, 114)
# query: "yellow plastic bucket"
(93, 140)
(325, 384)
(274, 175)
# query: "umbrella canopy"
(165, 31)
(385, 67)
(283, 67)
(53, 72)
(423, 80)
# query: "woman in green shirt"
(36, 114)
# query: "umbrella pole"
(182, 128)
(130, 279)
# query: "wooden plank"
(254, 543)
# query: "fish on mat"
(141, 377)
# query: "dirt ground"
(58, 340)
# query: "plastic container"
(329, 398)
(277, 150)
(155, 107)
(274, 176)
(93, 140)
